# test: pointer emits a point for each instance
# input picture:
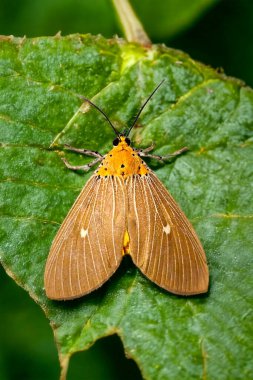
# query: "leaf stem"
(64, 361)
(131, 25)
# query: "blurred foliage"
(165, 18)
(28, 351)
(223, 38)
(37, 18)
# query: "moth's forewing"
(88, 246)
(163, 243)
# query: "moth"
(124, 209)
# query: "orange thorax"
(122, 160)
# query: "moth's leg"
(146, 150)
(86, 167)
(86, 152)
(144, 153)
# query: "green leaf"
(206, 336)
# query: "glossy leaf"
(208, 336)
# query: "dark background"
(221, 37)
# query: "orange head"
(122, 160)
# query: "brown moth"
(124, 209)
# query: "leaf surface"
(208, 336)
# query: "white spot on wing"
(166, 229)
(83, 233)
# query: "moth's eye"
(116, 142)
(127, 140)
